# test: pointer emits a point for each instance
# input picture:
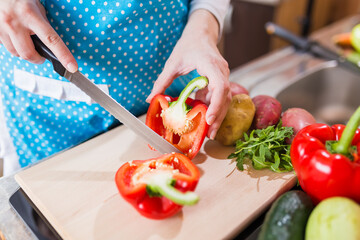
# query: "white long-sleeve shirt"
(217, 7)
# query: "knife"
(106, 101)
(312, 47)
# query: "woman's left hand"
(197, 49)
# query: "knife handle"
(45, 52)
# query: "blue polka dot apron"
(121, 45)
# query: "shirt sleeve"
(218, 8)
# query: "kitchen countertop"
(265, 75)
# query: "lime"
(355, 37)
(334, 218)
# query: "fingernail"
(71, 67)
(211, 119)
(212, 135)
(148, 99)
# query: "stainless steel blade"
(120, 113)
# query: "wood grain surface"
(75, 190)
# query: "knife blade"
(106, 101)
(312, 47)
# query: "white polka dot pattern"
(123, 44)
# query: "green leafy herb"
(266, 148)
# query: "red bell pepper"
(326, 159)
(181, 121)
(159, 187)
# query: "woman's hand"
(21, 18)
(196, 49)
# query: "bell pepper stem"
(199, 82)
(175, 117)
(162, 184)
(342, 146)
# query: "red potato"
(235, 89)
(297, 118)
(268, 111)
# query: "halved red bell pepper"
(326, 159)
(181, 121)
(158, 188)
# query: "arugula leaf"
(266, 148)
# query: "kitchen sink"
(330, 93)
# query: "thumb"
(164, 80)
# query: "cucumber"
(287, 217)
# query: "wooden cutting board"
(75, 190)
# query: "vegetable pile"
(260, 131)
(326, 159)
(326, 162)
(293, 216)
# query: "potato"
(268, 111)
(235, 89)
(297, 118)
(238, 120)
(334, 218)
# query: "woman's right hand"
(21, 18)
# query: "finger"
(42, 10)
(216, 111)
(25, 47)
(202, 95)
(218, 90)
(219, 119)
(220, 97)
(164, 80)
(6, 41)
(53, 41)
